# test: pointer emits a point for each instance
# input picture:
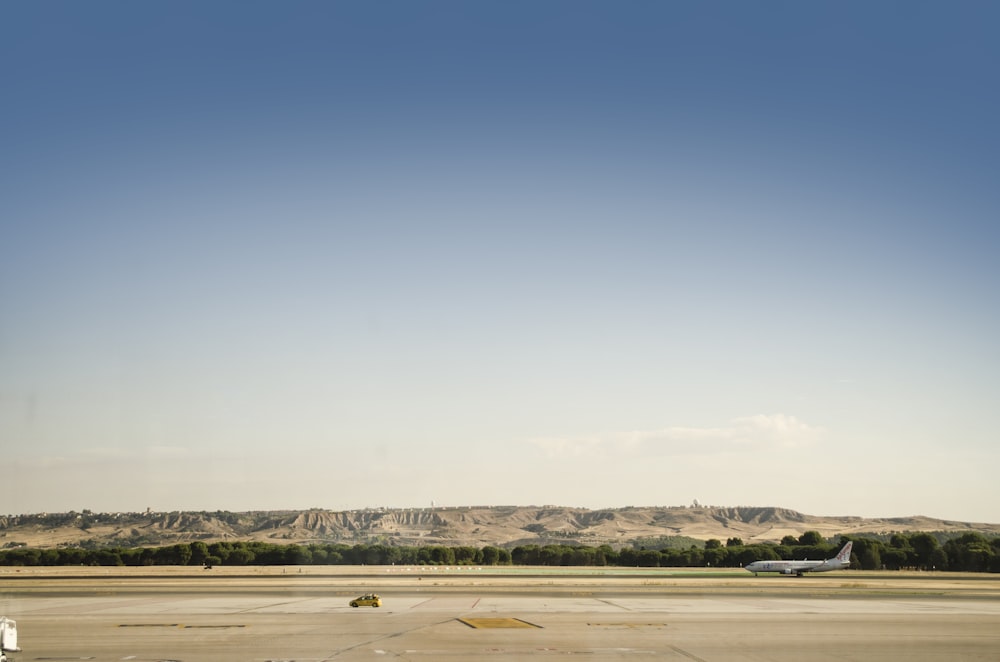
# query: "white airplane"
(841, 560)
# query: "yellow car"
(367, 600)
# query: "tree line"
(968, 552)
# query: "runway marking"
(390, 635)
(613, 604)
(628, 625)
(209, 627)
(520, 653)
(145, 625)
(686, 654)
(487, 623)
(179, 625)
(447, 603)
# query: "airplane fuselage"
(842, 560)
(787, 567)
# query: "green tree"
(648, 558)
(24, 556)
(551, 555)
(588, 556)
(868, 553)
(901, 542)
(72, 556)
(970, 552)
(442, 555)
(266, 554)
(376, 555)
(199, 552)
(939, 559)
(467, 555)
(924, 545)
(525, 555)
(716, 557)
(297, 555)
(178, 554)
(491, 555)
(240, 556)
(894, 558)
(133, 556)
(606, 555)
(812, 538)
(220, 550)
(628, 557)
(694, 557)
(107, 557)
(318, 554)
(49, 557)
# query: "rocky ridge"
(505, 526)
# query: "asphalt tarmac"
(462, 615)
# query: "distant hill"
(505, 526)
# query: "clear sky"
(265, 255)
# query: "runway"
(304, 617)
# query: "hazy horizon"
(340, 255)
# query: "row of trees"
(258, 553)
(970, 552)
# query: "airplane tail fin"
(844, 556)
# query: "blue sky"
(260, 255)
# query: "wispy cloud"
(763, 432)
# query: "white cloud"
(763, 432)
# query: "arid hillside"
(505, 526)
